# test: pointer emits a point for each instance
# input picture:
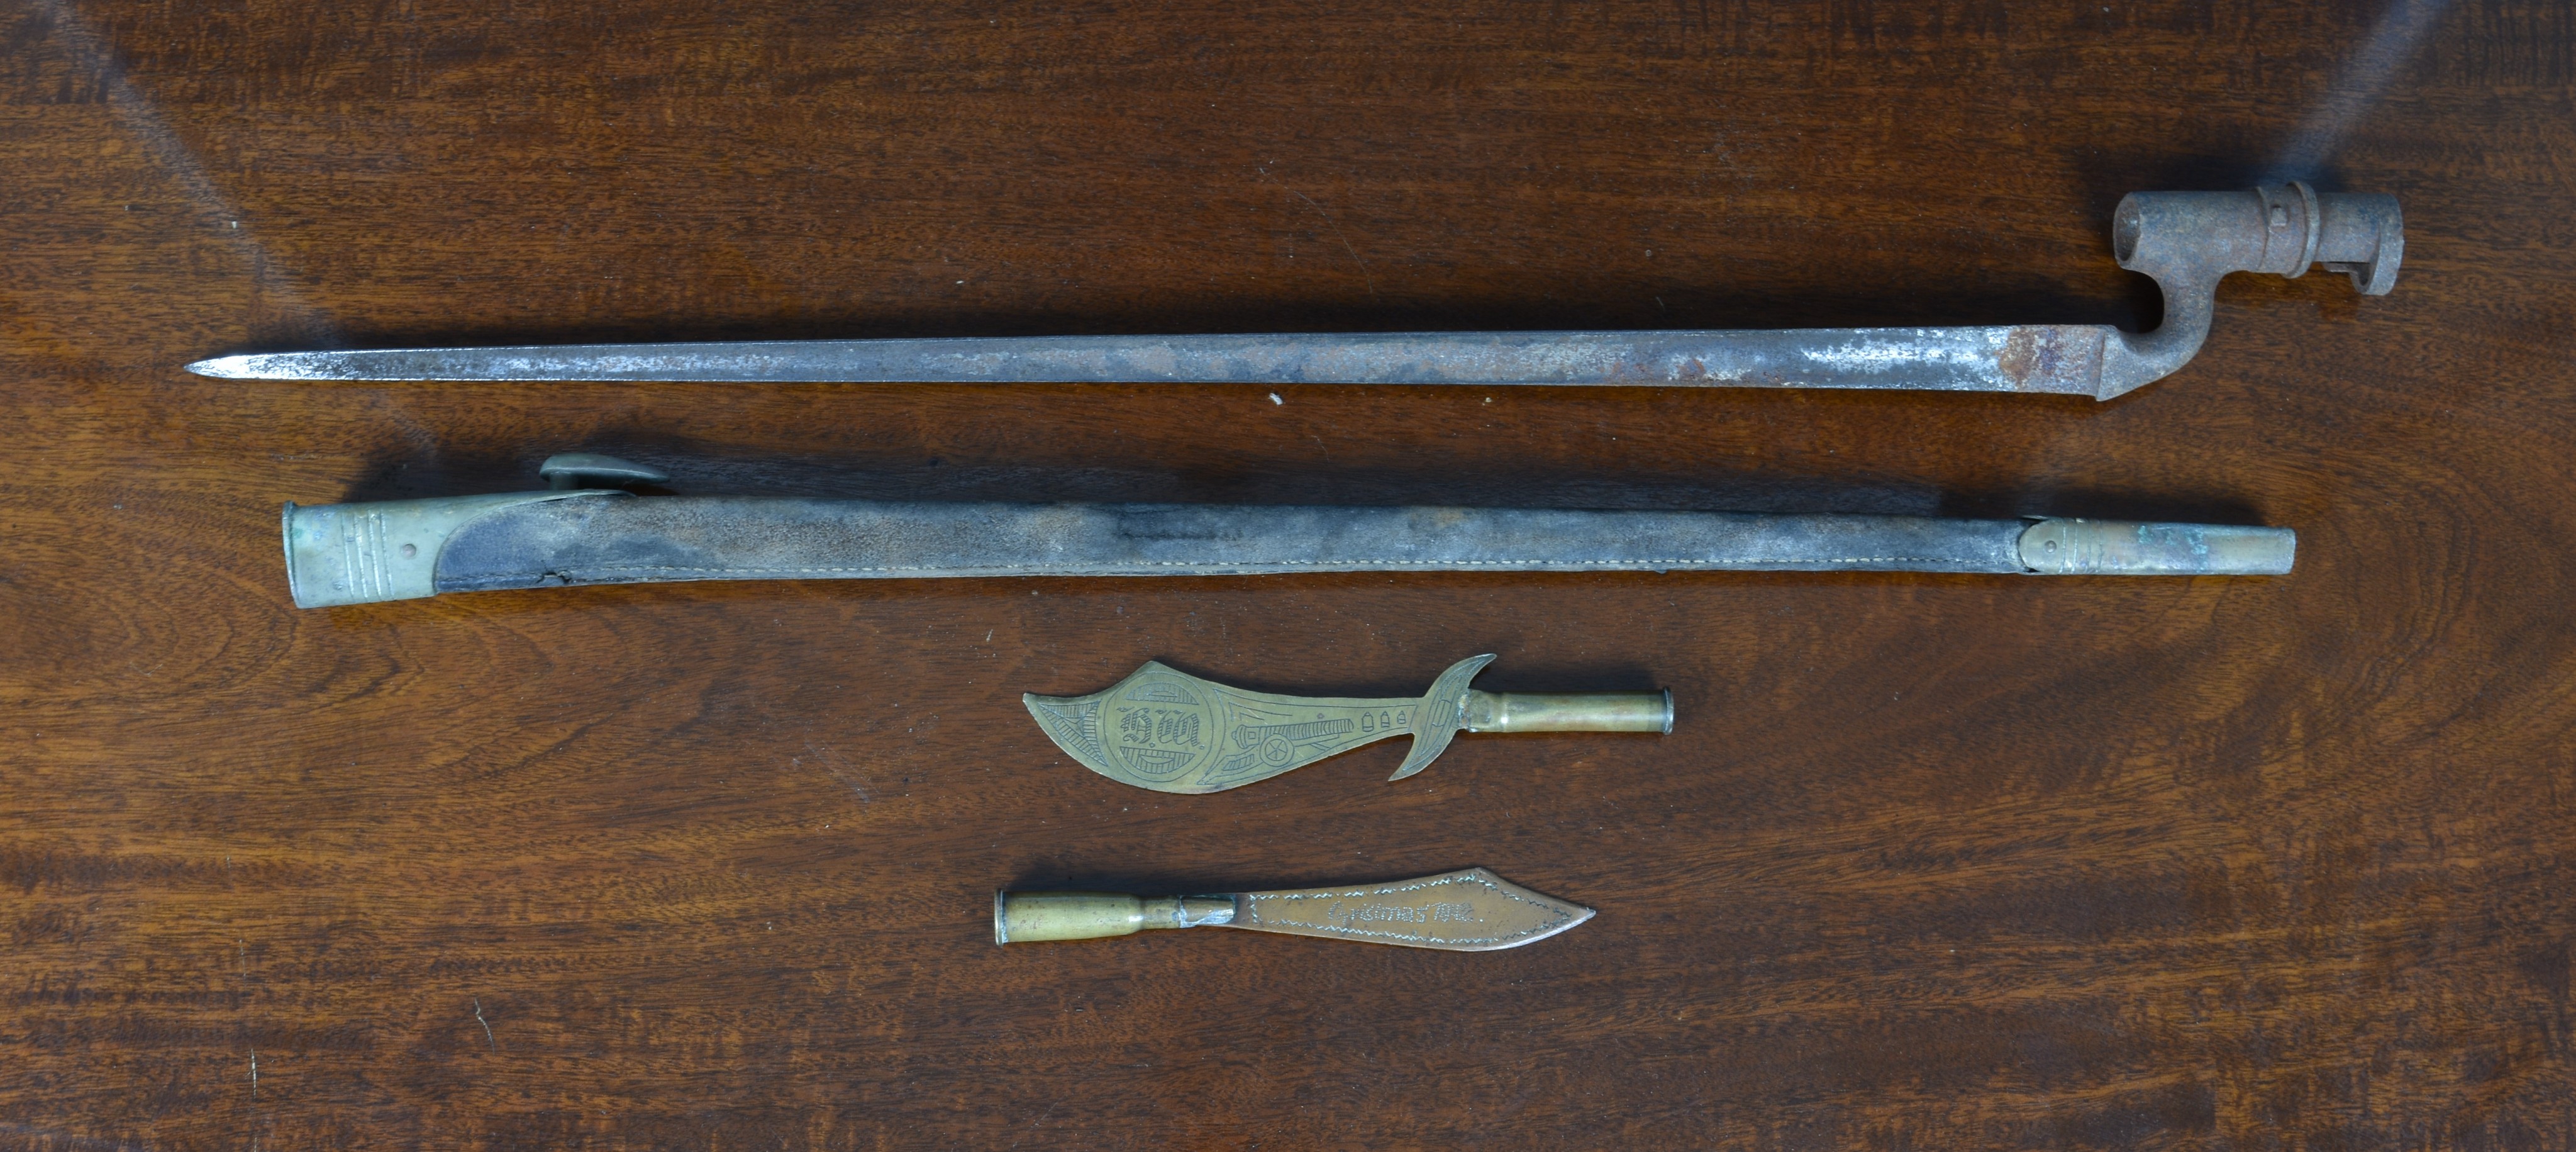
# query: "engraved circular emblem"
(1276, 750)
(1160, 726)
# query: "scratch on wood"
(833, 766)
(1336, 226)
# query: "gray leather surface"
(732, 538)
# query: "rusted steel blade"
(2185, 240)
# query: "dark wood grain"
(1931, 862)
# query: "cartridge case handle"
(1029, 917)
(1569, 711)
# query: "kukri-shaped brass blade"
(1173, 732)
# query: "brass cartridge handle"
(1027, 917)
(1569, 712)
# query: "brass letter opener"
(1470, 911)
(1173, 732)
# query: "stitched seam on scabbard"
(1257, 563)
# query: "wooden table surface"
(1929, 862)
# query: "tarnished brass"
(2066, 547)
(1470, 911)
(1173, 732)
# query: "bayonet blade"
(2021, 358)
(2187, 241)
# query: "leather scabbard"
(356, 553)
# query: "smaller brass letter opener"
(1470, 911)
(1173, 732)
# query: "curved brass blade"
(1470, 911)
(1173, 732)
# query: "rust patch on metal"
(2051, 357)
(1630, 371)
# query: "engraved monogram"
(1441, 912)
(1162, 725)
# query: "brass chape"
(2070, 547)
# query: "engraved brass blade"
(1173, 732)
(1470, 911)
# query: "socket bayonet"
(2186, 241)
